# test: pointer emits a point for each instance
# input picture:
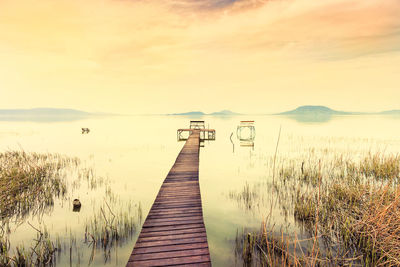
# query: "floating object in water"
(77, 205)
(85, 130)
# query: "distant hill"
(199, 113)
(325, 111)
(314, 110)
(390, 112)
(191, 113)
(42, 112)
(224, 113)
(308, 112)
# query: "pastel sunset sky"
(153, 56)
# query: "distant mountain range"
(325, 111)
(320, 114)
(44, 114)
(199, 113)
(60, 114)
(390, 112)
(300, 111)
(308, 110)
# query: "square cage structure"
(205, 134)
(197, 125)
(246, 131)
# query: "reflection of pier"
(246, 133)
(247, 144)
(205, 134)
(174, 232)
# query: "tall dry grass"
(30, 181)
(349, 210)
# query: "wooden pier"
(204, 134)
(174, 233)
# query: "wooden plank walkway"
(174, 233)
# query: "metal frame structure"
(198, 125)
(246, 125)
(205, 134)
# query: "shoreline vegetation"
(346, 210)
(348, 213)
(30, 183)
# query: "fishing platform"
(205, 133)
(174, 233)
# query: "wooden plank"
(172, 261)
(175, 211)
(160, 243)
(173, 236)
(180, 205)
(155, 220)
(174, 215)
(173, 233)
(203, 264)
(146, 250)
(170, 254)
(150, 223)
(171, 228)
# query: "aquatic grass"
(30, 181)
(353, 206)
(270, 248)
(379, 228)
(348, 209)
(104, 231)
(247, 197)
(108, 228)
(40, 254)
(381, 167)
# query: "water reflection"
(311, 118)
(135, 162)
(233, 144)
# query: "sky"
(153, 56)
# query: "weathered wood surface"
(174, 233)
(200, 130)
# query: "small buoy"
(77, 205)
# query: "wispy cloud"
(148, 50)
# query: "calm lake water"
(133, 154)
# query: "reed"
(29, 182)
(350, 211)
(246, 198)
(106, 228)
(41, 253)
